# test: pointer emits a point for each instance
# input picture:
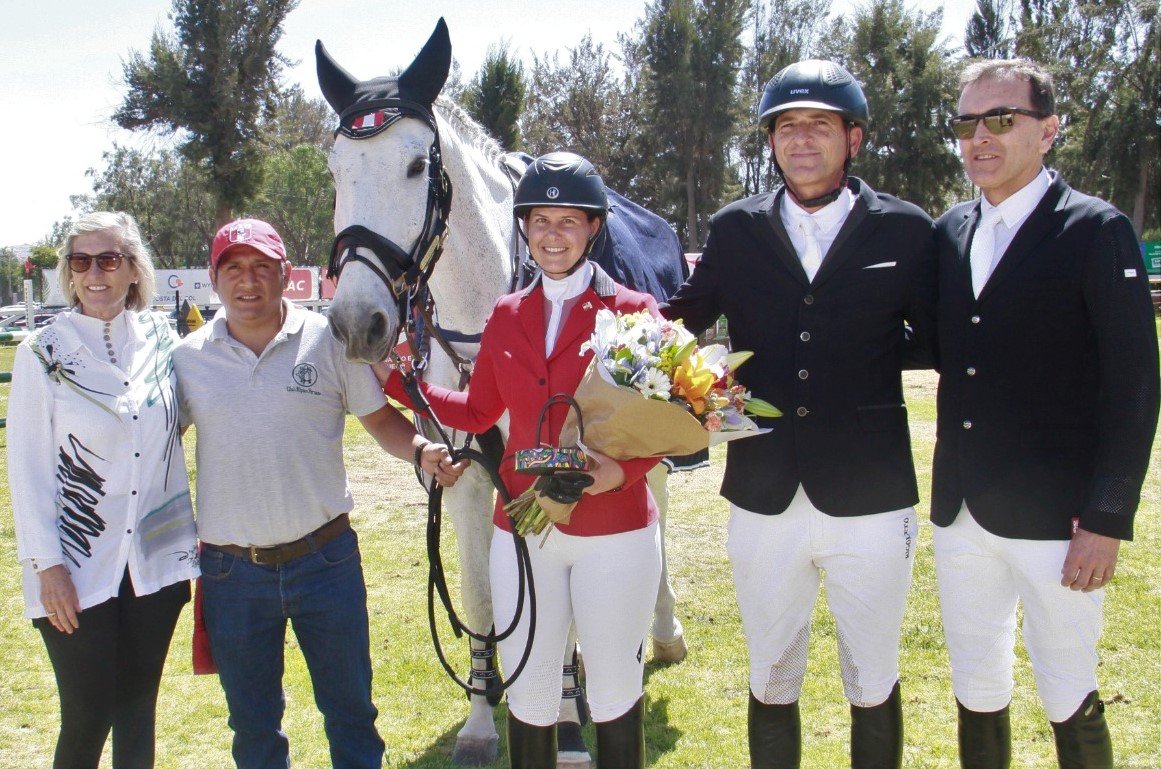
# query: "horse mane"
(474, 134)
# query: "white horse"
(397, 138)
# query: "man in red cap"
(268, 389)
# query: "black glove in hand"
(564, 487)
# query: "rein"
(437, 577)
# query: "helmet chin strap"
(828, 198)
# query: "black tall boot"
(877, 734)
(775, 733)
(621, 742)
(985, 739)
(531, 747)
(1083, 741)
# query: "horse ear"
(336, 84)
(425, 77)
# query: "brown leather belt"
(277, 555)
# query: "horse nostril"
(377, 328)
(337, 331)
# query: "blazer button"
(804, 336)
(971, 370)
(975, 319)
(543, 381)
(967, 424)
(802, 411)
(808, 299)
(803, 374)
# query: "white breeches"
(607, 585)
(981, 579)
(864, 561)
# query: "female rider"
(600, 570)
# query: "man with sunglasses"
(1048, 401)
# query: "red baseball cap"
(247, 232)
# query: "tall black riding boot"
(775, 733)
(1083, 741)
(531, 747)
(985, 739)
(877, 734)
(621, 742)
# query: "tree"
(215, 81)
(298, 199)
(690, 52)
(783, 32)
(986, 34)
(168, 195)
(580, 105)
(1106, 62)
(495, 97)
(906, 74)
(298, 119)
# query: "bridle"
(405, 272)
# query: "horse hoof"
(572, 760)
(476, 751)
(669, 652)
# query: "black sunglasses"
(108, 261)
(998, 121)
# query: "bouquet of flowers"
(650, 391)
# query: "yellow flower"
(693, 380)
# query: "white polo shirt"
(270, 428)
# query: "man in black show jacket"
(831, 285)
(1048, 402)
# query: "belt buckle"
(256, 558)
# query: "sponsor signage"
(193, 285)
(1151, 250)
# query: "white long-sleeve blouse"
(95, 466)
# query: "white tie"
(983, 249)
(811, 255)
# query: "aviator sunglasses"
(108, 261)
(998, 121)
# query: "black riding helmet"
(814, 84)
(561, 180)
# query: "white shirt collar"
(1016, 207)
(558, 291)
(828, 218)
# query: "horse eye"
(418, 166)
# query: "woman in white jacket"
(104, 524)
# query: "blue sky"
(60, 69)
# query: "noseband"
(404, 272)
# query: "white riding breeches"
(981, 578)
(608, 585)
(864, 561)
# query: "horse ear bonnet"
(419, 84)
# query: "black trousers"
(108, 673)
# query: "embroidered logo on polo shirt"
(305, 375)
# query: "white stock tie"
(811, 253)
(983, 250)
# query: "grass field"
(695, 710)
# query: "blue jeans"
(324, 598)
